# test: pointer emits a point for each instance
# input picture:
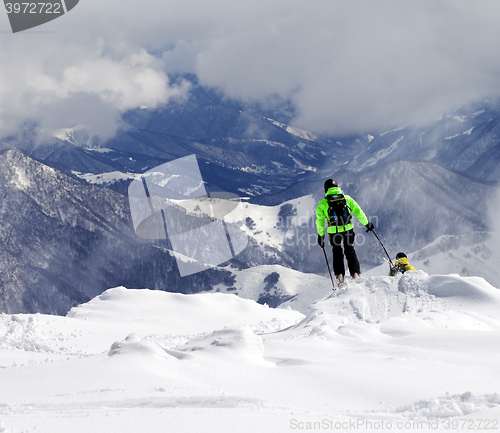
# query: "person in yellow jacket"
(401, 265)
(335, 209)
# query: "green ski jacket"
(322, 214)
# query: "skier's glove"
(321, 241)
(369, 227)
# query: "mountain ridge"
(65, 241)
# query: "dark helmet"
(330, 183)
(400, 255)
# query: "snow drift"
(414, 348)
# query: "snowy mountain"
(466, 140)
(276, 285)
(255, 152)
(65, 242)
(414, 352)
(67, 238)
(249, 149)
(410, 203)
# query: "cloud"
(362, 65)
(59, 82)
(347, 66)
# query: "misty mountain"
(467, 140)
(251, 150)
(244, 148)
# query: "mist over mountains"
(65, 226)
(466, 140)
(249, 149)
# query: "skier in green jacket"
(336, 210)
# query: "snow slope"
(274, 226)
(408, 352)
(276, 283)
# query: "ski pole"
(390, 261)
(327, 264)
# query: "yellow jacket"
(402, 263)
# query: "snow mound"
(21, 332)
(382, 350)
(470, 254)
(238, 344)
(230, 343)
(421, 300)
(134, 345)
(38, 334)
(177, 314)
(450, 405)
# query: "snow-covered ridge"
(180, 314)
(381, 299)
(274, 282)
(381, 154)
(107, 178)
(78, 136)
(468, 132)
(392, 350)
(306, 135)
(267, 226)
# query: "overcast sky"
(348, 66)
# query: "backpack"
(339, 213)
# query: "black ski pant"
(336, 240)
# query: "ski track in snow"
(412, 348)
